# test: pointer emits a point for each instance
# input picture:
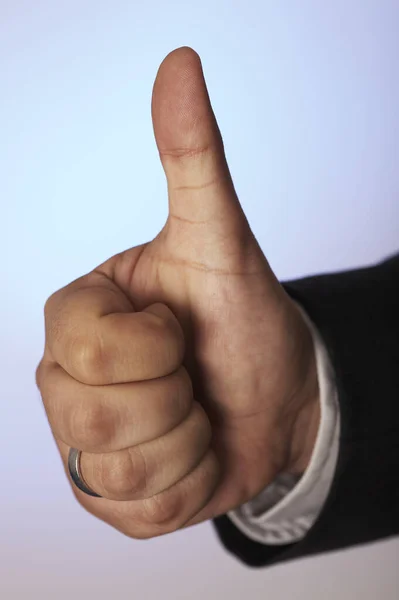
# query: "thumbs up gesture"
(180, 368)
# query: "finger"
(148, 469)
(162, 513)
(108, 418)
(190, 144)
(93, 333)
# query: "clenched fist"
(181, 368)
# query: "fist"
(180, 368)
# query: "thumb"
(191, 149)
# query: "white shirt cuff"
(285, 511)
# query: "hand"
(181, 368)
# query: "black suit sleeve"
(357, 314)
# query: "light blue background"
(306, 94)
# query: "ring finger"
(145, 470)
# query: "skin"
(181, 368)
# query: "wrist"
(308, 414)
(304, 437)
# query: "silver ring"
(76, 473)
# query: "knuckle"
(132, 529)
(49, 302)
(123, 474)
(53, 315)
(164, 511)
(182, 153)
(38, 375)
(93, 427)
(87, 359)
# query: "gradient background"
(307, 95)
